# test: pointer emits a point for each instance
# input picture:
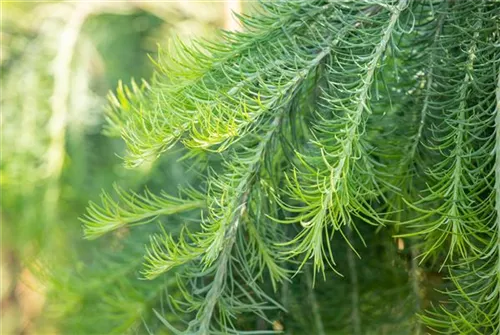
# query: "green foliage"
(133, 209)
(316, 133)
(59, 60)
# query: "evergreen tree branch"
(327, 200)
(230, 232)
(214, 245)
(473, 305)
(132, 209)
(456, 223)
(430, 63)
(204, 94)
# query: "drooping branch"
(325, 203)
(230, 234)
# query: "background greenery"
(58, 62)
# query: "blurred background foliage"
(58, 62)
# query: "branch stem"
(353, 274)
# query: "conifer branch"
(327, 203)
(132, 209)
(266, 259)
(204, 97)
(412, 150)
(456, 220)
(473, 306)
(230, 232)
(215, 243)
